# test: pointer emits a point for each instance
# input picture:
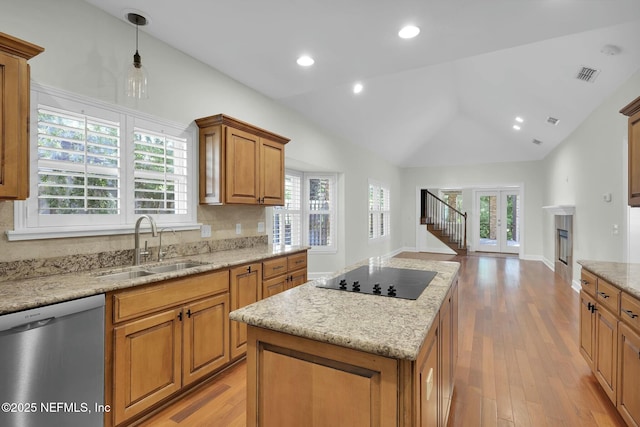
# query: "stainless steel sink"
(174, 267)
(126, 275)
(142, 271)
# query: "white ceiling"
(449, 96)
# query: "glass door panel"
(498, 224)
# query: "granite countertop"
(16, 295)
(385, 326)
(623, 275)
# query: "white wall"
(591, 162)
(88, 51)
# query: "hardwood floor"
(519, 363)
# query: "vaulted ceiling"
(448, 96)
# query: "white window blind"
(287, 219)
(160, 173)
(78, 164)
(379, 210)
(321, 211)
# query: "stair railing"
(452, 222)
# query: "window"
(379, 211)
(97, 167)
(308, 216)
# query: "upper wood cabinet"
(240, 163)
(633, 112)
(14, 116)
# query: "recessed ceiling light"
(516, 127)
(305, 61)
(357, 88)
(409, 32)
(519, 119)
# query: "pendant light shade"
(137, 74)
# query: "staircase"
(444, 221)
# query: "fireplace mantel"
(560, 209)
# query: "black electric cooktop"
(383, 281)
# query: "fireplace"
(564, 247)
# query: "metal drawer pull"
(278, 267)
(630, 313)
(603, 295)
(585, 282)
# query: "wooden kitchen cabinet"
(588, 328)
(428, 371)
(246, 288)
(240, 163)
(633, 112)
(282, 273)
(629, 375)
(161, 338)
(447, 337)
(14, 116)
(606, 361)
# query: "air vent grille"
(537, 141)
(587, 74)
(552, 120)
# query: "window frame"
(283, 210)
(305, 212)
(374, 209)
(27, 222)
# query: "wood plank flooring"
(519, 363)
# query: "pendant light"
(137, 74)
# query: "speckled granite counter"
(622, 275)
(16, 295)
(388, 327)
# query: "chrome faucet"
(161, 253)
(136, 251)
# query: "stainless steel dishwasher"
(52, 365)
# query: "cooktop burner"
(384, 281)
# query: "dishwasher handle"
(28, 326)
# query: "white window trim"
(24, 229)
(272, 211)
(377, 238)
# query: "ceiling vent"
(587, 74)
(537, 141)
(552, 120)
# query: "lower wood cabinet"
(610, 342)
(283, 273)
(161, 338)
(246, 288)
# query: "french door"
(498, 221)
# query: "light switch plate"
(205, 230)
(238, 228)
(261, 227)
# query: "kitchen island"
(328, 358)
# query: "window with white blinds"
(308, 216)
(160, 173)
(97, 167)
(379, 210)
(287, 219)
(78, 164)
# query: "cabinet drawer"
(274, 267)
(137, 302)
(297, 261)
(588, 282)
(609, 296)
(630, 311)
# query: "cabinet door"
(242, 168)
(206, 337)
(297, 278)
(446, 357)
(245, 282)
(629, 375)
(147, 362)
(606, 351)
(634, 160)
(587, 328)
(274, 286)
(428, 382)
(271, 172)
(14, 176)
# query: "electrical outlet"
(238, 228)
(205, 230)
(261, 227)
